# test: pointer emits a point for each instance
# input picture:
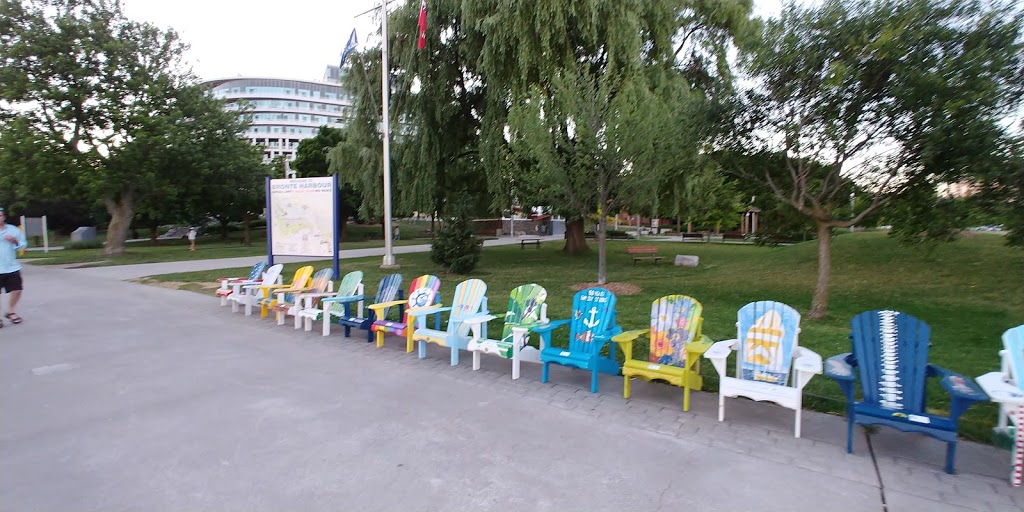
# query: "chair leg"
(408, 340)
(849, 434)
(455, 355)
(476, 360)
(515, 366)
(422, 349)
(593, 381)
(721, 407)
(380, 339)
(544, 373)
(799, 409)
(950, 456)
(326, 329)
(625, 386)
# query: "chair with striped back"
(591, 329)
(890, 354)
(290, 301)
(768, 351)
(676, 345)
(332, 306)
(1006, 387)
(229, 285)
(470, 299)
(423, 292)
(264, 295)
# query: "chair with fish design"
(526, 308)
(767, 352)
(591, 329)
(890, 353)
(1006, 387)
(676, 345)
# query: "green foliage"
(84, 244)
(455, 246)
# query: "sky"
(280, 39)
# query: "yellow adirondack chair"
(676, 346)
(289, 300)
(263, 293)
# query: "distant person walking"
(398, 235)
(191, 239)
(12, 240)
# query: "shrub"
(455, 246)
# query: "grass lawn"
(969, 292)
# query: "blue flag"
(349, 46)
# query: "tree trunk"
(121, 213)
(342, 230)
(223, 228)
(575, 239)
(154, 231)
(602, 264)
(819, 306)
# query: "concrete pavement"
(120, 396)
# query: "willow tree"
(550, 59)
(436, 106)
(894, 96)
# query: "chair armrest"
(426, 310)
(839, 367)
(292, 290)
(807, 360)
(719, 352)
(352, 298)
(699, 347)
(314, 295)
(550, 326)
(477, 319)
(266, 287)
(958, 386)
(999, 390)
(629, 336)
(220, 279)
(380, 306)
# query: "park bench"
(693, 236)
(643, 252)
(739, 237)
(534, 241)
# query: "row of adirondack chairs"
(889, 348)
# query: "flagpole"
(389, 257)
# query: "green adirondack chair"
(349, 290)
(526, 308)
(676, 346)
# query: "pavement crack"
(878, 472)
(661, 497)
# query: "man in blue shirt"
(11, 241)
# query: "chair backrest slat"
(524, 308)
(768, 334)
(675, 322)
(593, 314)
(422, 292)
(1013, 342)
(891, 349)
(387, 290)
(469, 296)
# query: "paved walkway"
(120, 396)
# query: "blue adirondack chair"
(590, 330)
(229, 285)
(390, 287)
(890, 353)
(470, 299)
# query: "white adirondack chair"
(243, 297)
(229, 285)
(768, 351)
(1006, 387)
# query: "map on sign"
(302, 216)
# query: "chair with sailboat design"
(771, 365)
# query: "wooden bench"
(643, 252)
(739, 237)
(534, 241)
(693, 236)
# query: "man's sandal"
(13, 317)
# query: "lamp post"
(389, 256)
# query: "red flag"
(423, 25)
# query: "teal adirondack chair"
(350, 290)
(890, 354)
(389, 289)
(526, 309)
(591, 329)
(470, 299)
(229, 285)
(1006, 387)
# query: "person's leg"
(12, 283)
